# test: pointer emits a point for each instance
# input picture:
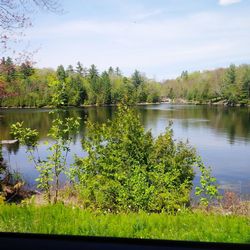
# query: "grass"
(59, 219)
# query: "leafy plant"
(207, 191)
(127, 169)
(55, 163)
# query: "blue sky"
(159, 37)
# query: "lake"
(221, 136)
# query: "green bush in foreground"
(126, 169)
(59, 219)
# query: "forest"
(26, 86)
(229, 86)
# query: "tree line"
(26, 86)
(227, 85)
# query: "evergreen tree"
(230, 75)
(111, 71)
(229, 88)
(245, 85)
(26, 70)
(61, 73)
(118, 71)
(93, 72)
(137, 79)
(61, 96)
(93, 79)
(70, 70)
(79, 69)
(105, 80)
(10, 70)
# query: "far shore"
(169, 101)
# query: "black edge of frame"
(41, 241)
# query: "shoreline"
(176, 102)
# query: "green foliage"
(26, 69)
(128, 170)
(61, 73)
(25, 136)
(137, 79)
(71, 220)
(207, 191)
(229, 85)
(55, 163)
(25, 86)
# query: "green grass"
(58, 219)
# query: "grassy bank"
(58, 219)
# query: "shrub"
(127, 169)
(55, 162)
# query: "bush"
(127, 169)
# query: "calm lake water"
(221, 136)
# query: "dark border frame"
(29, 241)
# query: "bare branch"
(15, 17)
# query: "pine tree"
(137, 79)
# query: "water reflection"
(233, 122)
(220, 134)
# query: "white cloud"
(169, 45)
(228, 2)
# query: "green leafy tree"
(55, 163)
(126, 169)
(207, 191)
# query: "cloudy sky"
(158, 37)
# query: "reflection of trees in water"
(235, 122)
(12, 148)
(34, 119)
(41, 120)
(96, 114)
(100, 114)
(149, 117)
